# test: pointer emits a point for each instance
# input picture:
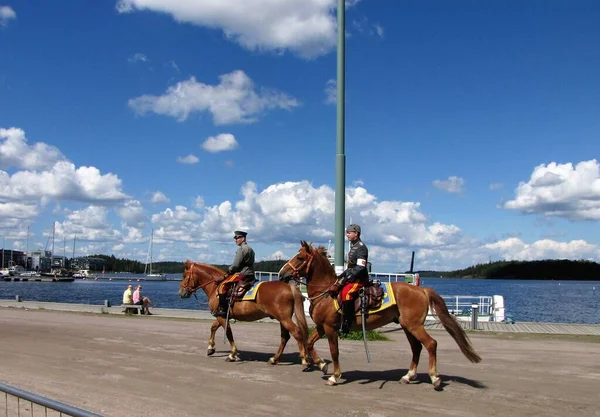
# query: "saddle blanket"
(387, 301)
(251, 293)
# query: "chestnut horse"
(275, 299)
(410, 312)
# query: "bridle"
(296, 277)
(296, 273)
(192, 291)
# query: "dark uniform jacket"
(357, 263)
(243, 262)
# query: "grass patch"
(372, 335)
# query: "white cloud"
(199, 203)
(452, 185)
(331, 92)
(139, 57)
(62, 182)
(16, 153)
(132, 214)
(6, 14)
(516, 249)
(234, 100)
(158, 197)
(305, 27)
(48, 175)
(379, 30)
(89, 224)
(173, 65)
(496, 186)
(190, 159)
(16, 210)
(561, 190)
(220, 143)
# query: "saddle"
(371, 295)
(236, 292)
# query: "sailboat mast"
(151, 240)
(53, 230)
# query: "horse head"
(309, 263)
(197, 276)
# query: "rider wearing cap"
(354, 277)
(242, 269)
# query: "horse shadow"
(286, 359)
(394, 376)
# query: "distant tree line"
(546, 269)
(562, 269)
(113, 264)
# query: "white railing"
(461, 305)
(489, 308)
(266, 276)
(380, 276)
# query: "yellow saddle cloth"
(387, 301)
(251, 293)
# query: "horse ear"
(187, 264)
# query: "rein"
(296, 277)
(193, 290)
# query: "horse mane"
(321, 250)
(188, 264)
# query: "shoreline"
(483, 327)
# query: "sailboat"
(149, 275)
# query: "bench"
(129, 308)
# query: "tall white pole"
(53, 228)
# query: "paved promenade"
(523, 327)
(117, 365)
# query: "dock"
(493, 327)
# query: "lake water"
(525, 300)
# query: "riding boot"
(223, 306)
(348, 312)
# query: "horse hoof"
(404, 380)
(232, 359)
(331, 381)
(437, 384)
(324, 367)
(210, 352)
(307, 368)
(271, 361)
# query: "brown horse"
(275, 299)
(411, 311)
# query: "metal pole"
(474, 316)
(53, 230)
(340, 159)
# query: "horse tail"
(299, 312)
(452, 326)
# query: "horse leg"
(312, 352)
(430, 344)
(332, 337)
(295, 331)
(285, 336)
(416, 348)
(233, 355)
(211, 341)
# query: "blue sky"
(472, 128)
